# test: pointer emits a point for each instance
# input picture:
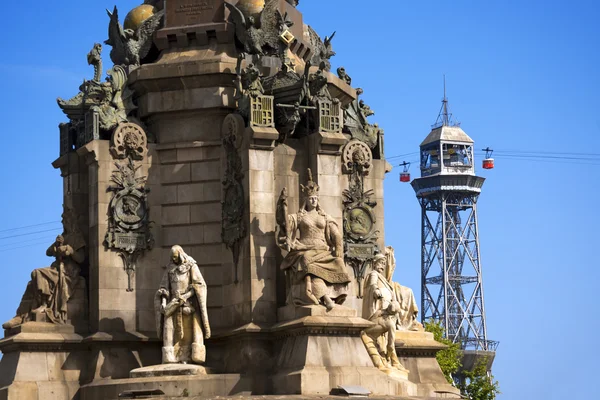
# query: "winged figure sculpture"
(129, 47)
(323, 49)
(257, 35)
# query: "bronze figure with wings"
(263, 36)
(130, 47)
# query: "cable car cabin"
(405, 174)
(488, 163)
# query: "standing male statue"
(180, 306)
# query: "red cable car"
(488, 162)
(405, 174)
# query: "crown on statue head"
(311, 188)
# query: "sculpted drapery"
(54, 285)
(181, 314)
(381, 306)
(315, 268)
(50, 288)
(409, 310)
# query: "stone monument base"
(182, 386)
(322, 350)
(41, 361)
(416, 351)
(168, 370)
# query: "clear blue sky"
(521, 75)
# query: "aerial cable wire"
(29, 226)
(44, 237)
(547, 152)
(23, 247)
(532, 154)
(30, 233)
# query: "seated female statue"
(315, 268)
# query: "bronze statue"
(323, 48)
(259, 37)
(94, 58)
(356, 122)
(180, 307)
(315, 269)
(343, 75)
(248, 86)
(50, 288)
(131, 47)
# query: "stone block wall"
(112, 307)
(190, 212)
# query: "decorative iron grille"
(261, 111)
(330, 119)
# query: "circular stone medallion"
(359, 222)
(130, 209)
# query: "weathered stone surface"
(175, 173)
(291, 312)
(416, 351)
(329, 358)
(171, 386)
(193, 12)
(206, 171)
(168, 370)
(205, 212)
(175, 215)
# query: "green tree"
(449, 358)
(477, 385)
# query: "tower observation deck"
(451, 273)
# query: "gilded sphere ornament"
(137, 16)
(251, 7)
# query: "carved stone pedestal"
(168, 370)
(41, 361)
(318, 353)
(416, 351)
(291, 312)
(207, 386)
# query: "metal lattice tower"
(451, 280)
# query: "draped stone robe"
(316, 250)
(184, 325)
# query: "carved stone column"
(119, 234)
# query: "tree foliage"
(477, 385)
(449, 358)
